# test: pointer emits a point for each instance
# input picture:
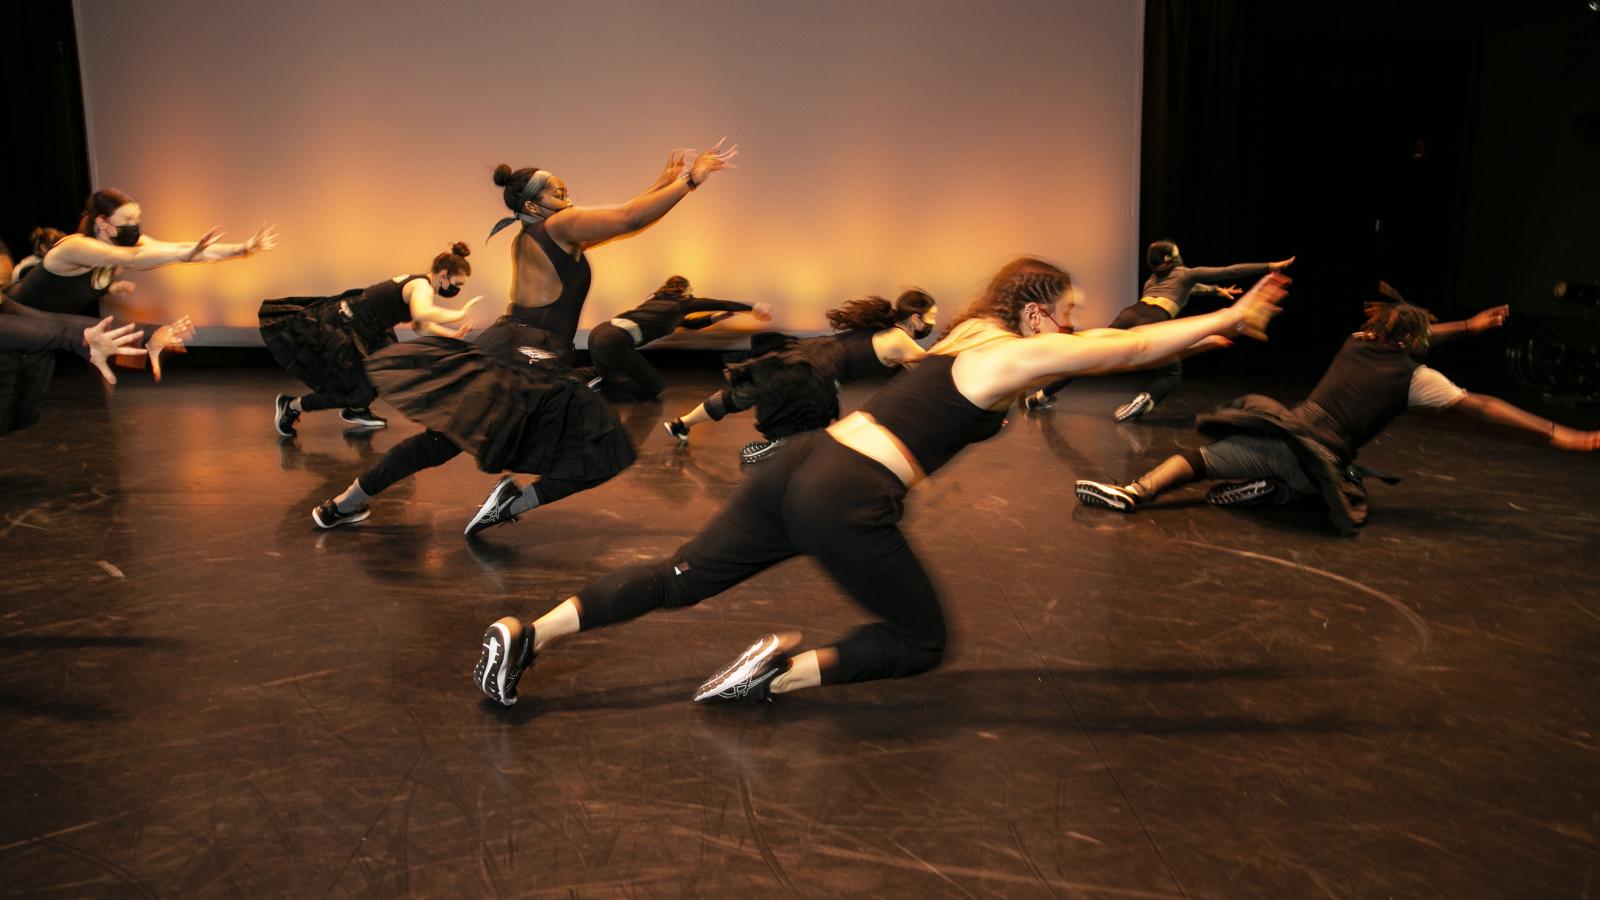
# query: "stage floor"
(204, 696)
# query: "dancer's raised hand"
(105, 342)
(1260, 304)
(1489, 318)
(1281, 264)
(1564, 438)
(265, 238)
(714, 160)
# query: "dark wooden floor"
(204, 696)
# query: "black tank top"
(860, 360)
(383, 305)
(924, 410)
(1365, 387)
(44, 289)
(559, 318)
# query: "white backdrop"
(882, 143)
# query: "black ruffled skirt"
(24, 380)
(313, 339)
(507, 401)
(794, 389)
(1315, 442)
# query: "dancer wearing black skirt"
(323, 341)
(795, 388)
(509, 400)
(837, 495)
(621, 370)
(1267, 453)
(1166, 292)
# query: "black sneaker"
(328, 516)
(749, 677)
(363, 417)
(1038, 400)
(1105, 496)
(677, 429)
(756, 451)
(284, 416)
(496, 508)
(507, 653)
(1134, 408)
(1259, 491)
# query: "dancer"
(795, 389)
(1166, 293)
(323, 340)
(40, 240)
(82, 268)
(614, 346)
(28, 339)
(510, 401)
(837, 495)
(1268, 453)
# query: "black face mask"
(449, 290)
(923, 331)
(127, 236)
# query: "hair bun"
(460, 249)
(502, 175)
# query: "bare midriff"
(861, 432)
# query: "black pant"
(1168, 377)
(27, 329)
(432, 448)
(819, 498)
(313, 401)
(623, 366)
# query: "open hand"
(714, 160)
(168, 338)
(1489, 318)
(265, 238)
(1281, 264)
(1260, 304)
(104, 344)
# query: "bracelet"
(688, 178)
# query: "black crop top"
(923, 409)
(383, 305)
(860, 360)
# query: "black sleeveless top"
(1365, 387)
(559, 318)
(44, 289)
(860, 360)
(924, 410)
(382, 305)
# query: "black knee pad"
(1196, 462)
(718, 405)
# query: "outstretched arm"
(1478, 324)
(1492, 409)
(673, 170)
(1238, 271)
(80, 251)
(576, 226)
(424, 309)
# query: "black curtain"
(47, 175)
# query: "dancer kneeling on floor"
(621, 371)
(1269, 453)
(795, 389)
(837, 495)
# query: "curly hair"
(870, 311)
(1398, 324)
(1024, 280)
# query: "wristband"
(688, 178)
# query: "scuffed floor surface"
(204, 696)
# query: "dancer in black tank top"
(1266, 452)
(46, 306)
(837, 495)
(796, 389)
(510, 399)
(323, 341)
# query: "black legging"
(624, 367)
(821, 499)
(1168, 377)
(26, 329)
(432, 448)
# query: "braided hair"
(1020, 282)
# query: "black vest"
(1365, 387)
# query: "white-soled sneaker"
(1134, 408)
(748, 678)
(496, 508)
(507, 653)
(1105, 496)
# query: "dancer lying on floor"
(621, 371)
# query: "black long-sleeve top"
(1170, 289)
(663, 314)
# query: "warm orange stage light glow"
(882, 145)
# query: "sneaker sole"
(490, 504)
(1249, 492)
(363, 423)
(492, 664)
(762, 454)
(1092, 495)
(351, 519)
(680, 438)
(756, 654)
(1135, 412)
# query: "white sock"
(352, 498)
